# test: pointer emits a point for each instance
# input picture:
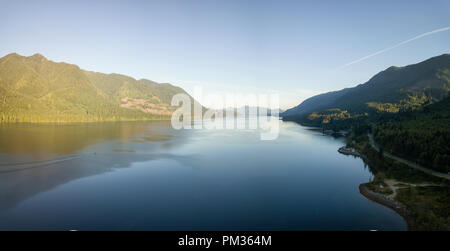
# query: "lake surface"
(148, 176)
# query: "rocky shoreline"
(349, 151)
(388, 202)
(377, 197)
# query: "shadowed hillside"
(392, 90)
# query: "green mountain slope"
(392, 90)
(34, 89)
(421, 136)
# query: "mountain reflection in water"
(148, 176)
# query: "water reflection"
(149, 176)
(57, 139)
(37, 158)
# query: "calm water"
(147, 176)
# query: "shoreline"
(79, 122)
(393, 204)
(349, 151)
(381, 199)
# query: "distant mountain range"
(392, 90)
(34, 89)
(260, 111)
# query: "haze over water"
(148, 176)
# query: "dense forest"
(422, 135)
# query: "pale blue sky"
(294, 48)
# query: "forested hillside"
(408, 107)
(392, 90)
(421, 136)
(34, 89)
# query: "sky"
(296, 49)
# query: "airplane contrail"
(394, 46)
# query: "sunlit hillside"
(34, 89)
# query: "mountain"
(392, 90)
(315, 103)
(264, 111)
(34, 89)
